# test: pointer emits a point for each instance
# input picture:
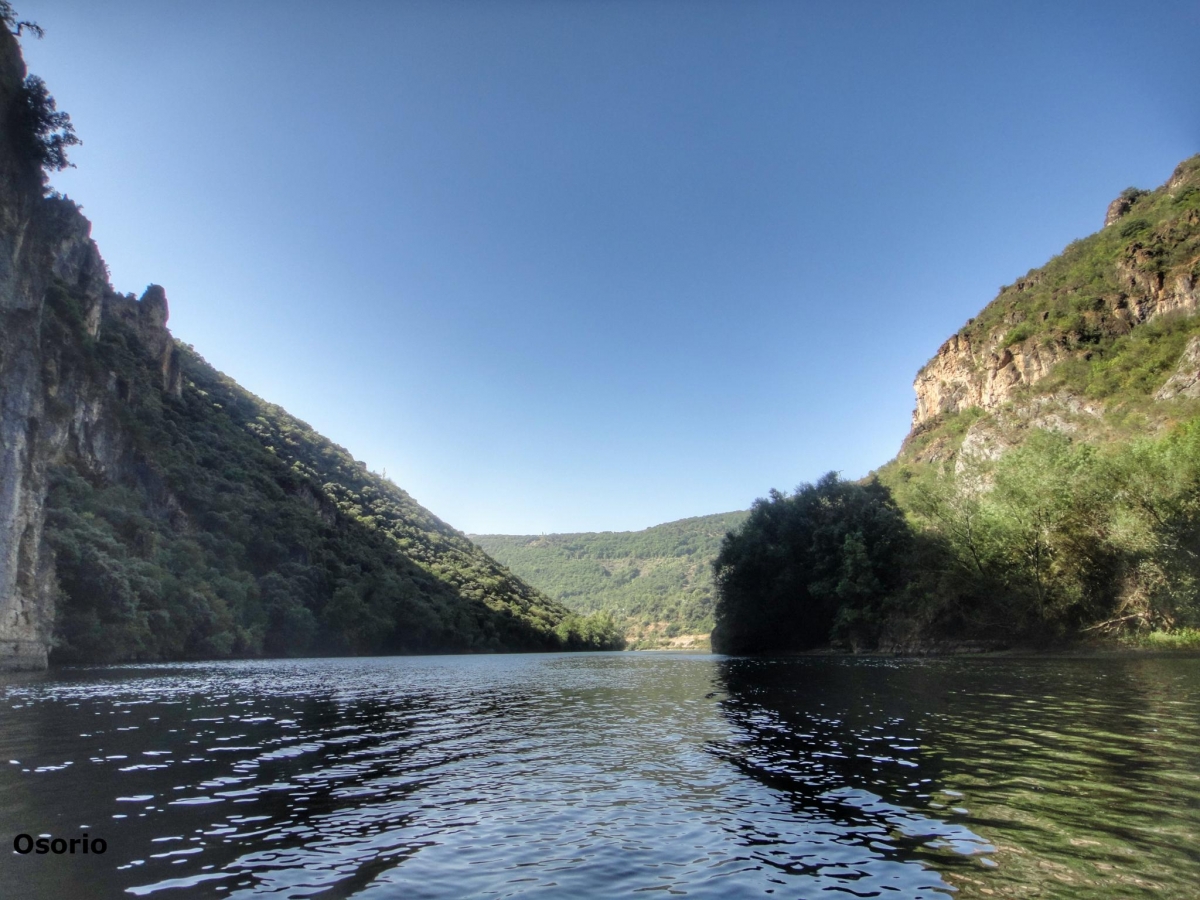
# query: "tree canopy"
(45, 131)
(808, 568)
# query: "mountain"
(656, 583)
(1052, 473)
(151, 508)
(1049, 489)
(1101, 340)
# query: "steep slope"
(150, 508)
(1052, 474)
(1049, 490)
(1087, 341)
(656, 583)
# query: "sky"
(583, 266)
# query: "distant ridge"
(656, 582)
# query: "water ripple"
(600, 775)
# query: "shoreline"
(1081, 651)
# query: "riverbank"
(1185, 642)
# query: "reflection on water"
(1072, 778)
(601, 775)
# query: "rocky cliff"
(150, 508)
(1077, 311)
(48, 407)
(1141, 266)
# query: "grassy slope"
(657, 581)
(1075, 299)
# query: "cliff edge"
(47, 406)
(1045, 349)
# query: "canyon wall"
(49, 404)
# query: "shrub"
(1018, 335)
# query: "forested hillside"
(1050, 488)
(241, 531)
(150, 508)
(656, 583)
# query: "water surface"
(608, 775)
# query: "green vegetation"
(657, 583)
(39, 131)
(42, 131)
(1058, 540)
(1075, 515)
(1127, 369)
(1180, 639)
(823, 563)
(1081, 299)
(226, 527)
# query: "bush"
(1018, 335)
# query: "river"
(606, 775)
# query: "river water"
(607, 775)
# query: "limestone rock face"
(1117, 209)
(1185, 380)
(964, 375)
(48, 406)
(147, 318)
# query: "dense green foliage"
(825, 563)
(37, 130)
(41, 131)
(231, 528)
(1058, 539)
(656, 582)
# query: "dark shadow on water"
(849, 744)
(1071, 778)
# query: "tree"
(805, 569)
(9, 16)
(42, 131)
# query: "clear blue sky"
(575, 266)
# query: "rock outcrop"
(1144, 264)
(48, 405)
(1121, 206)
(964, 375)
(1185, 380)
